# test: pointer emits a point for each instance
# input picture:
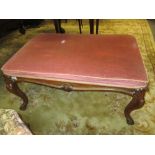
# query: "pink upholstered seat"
(108, 60)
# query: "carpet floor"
(52, 111)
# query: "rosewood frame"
(136, 94)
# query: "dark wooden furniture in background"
(59, 29)
(80, 63)
(57, 24)
(91, 24)
(9, 25)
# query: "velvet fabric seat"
(106, 60)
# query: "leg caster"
(12, 87)
(136, 103)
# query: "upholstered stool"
(80, 62)
(11, 123)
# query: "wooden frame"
(136, 94)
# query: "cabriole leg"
(136, 103)
(12, 87)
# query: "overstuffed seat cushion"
(108, 60)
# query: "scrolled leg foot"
(12, 87)
(23, 106)
(129, 120)
(136, 103)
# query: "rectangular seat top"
(106, 60)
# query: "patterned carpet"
(52, 111)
